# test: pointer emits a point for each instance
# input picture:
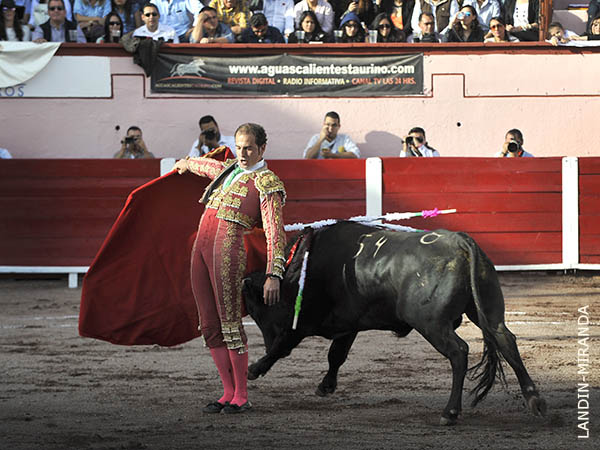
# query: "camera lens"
(409, 140)
(513, 147)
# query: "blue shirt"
(175, 13)
(87, 10)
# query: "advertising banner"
(289, 75)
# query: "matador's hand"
(181, 166)
(271, 290)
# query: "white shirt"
(228, 141)
(174, 13)
(521, 14)
(425, 151)
(163, 31)
(485, 12)
(280, 14)
(12, 36)
(323, 11)
(341, 143)
(5, 154)
(524, 155)
(255, 167)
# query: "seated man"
(233, 13)
(415, 144)
(425, 33)
(443, 11)
(210, 138)
(208, 29)
(90, 17)
(179, 15)
(280, 14)
(58, 28)
(153, 28)
(329, 144)
(513, 146)
(133, 146)
(260, 32)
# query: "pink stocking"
(221, 357)
(239, 363)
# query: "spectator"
(362, 8)
(129, 12)
(39, 13)
(210, 138)
(280, 14)
(498, 31)
(593, 13)
(208, 29)
(400, 12)
(442, 11)
(466, 27)
(415, 144)
(310, 26)
(5, 154)
(322, 11)
(593, 31)
(426, 31)
(90, 17)
(233, 13)
(133, 146)
(485, 9)
(558, 35)
(178, 14)
(329, 144)
(260, 32)
(57, 28)
(23, 10)
(513, 146)
(153, 28)
(113, 29)
(386, 31)
(521, 18)
(10, 28)
(352, 30)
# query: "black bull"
(364, 278)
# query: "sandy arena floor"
(61, 391)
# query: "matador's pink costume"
(218, 255)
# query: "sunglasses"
(114, 24)
(56, 8)
(351, 25)
(384, 25)
(467, 14)
(152, 14)
(6, 8)
(495, 27)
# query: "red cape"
(137, 290)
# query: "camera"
(209, 134)
(410, 140)
(429, 37)
(129, 139)
(513, 146)
(460, 15)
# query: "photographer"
(513, 146)
(133, 146)
(415, 144)
(210, 138)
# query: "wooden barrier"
(56, 213)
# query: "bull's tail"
(489, 368)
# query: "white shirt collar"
(255, 167)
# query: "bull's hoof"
(537, 405)
(324, 391)
(449, 418)
(253, 373)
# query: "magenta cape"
(137, 290)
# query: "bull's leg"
(508, 347)
(338, 352)
(282, 347)
(449, 344)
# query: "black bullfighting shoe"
(214, 407)
(235, 409)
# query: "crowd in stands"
(280, 21)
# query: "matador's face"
(248, 153)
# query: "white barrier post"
(570, 212)
(374, 186)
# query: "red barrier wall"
(511, 207)
(57, 212)
(589, 210)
